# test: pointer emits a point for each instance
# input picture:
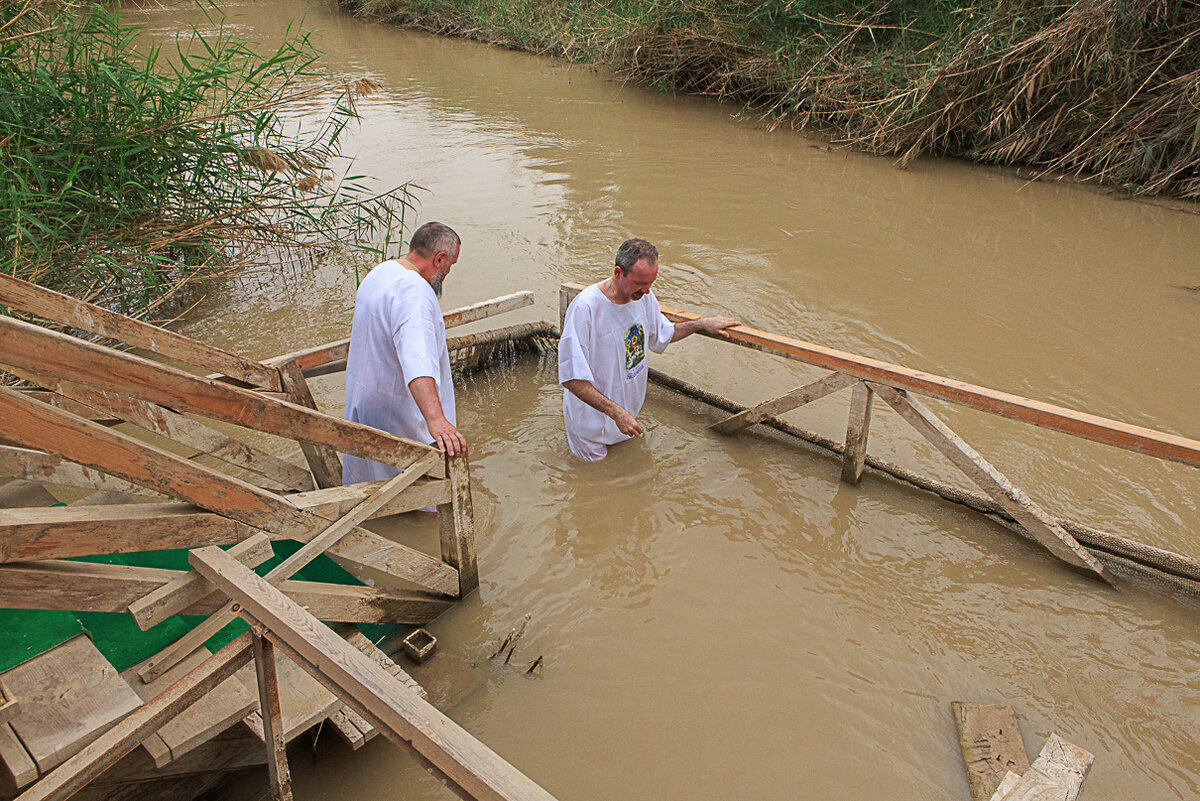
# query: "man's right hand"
(627, 424)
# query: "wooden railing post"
(855, 456)
(456, 525)
(272, 717)
(323, 461)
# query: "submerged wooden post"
(854, 458)
(456, 525)
(272, 717)
(323, 461)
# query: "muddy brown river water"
(721, 618)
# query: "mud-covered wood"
(784, 403)
(1042, 526)
(28, 464)
(857, 430)
(16, 760)
(279, 776)
(322, 460)
(456, 525)
(78, 314)
(125, 736)
(991, 745)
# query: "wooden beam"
(116, 453)
(456, 525)
(784, 403)
(857, 429)
(991, 745)
(93, 587)
(486, 308)
(103, 369)
(62, 532)
(1056, 775)
(1041, 526)
(322, 460)
(315, 546)
(16, 759)
(272, 716)
(45, 468)
(404, 718)
(190, 588)
(94, 319)
(1046, 415)
(75, 773)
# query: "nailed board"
(70, 695)
(991, 745)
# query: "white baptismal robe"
(605, 344)
(397, 335)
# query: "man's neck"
(609, 289)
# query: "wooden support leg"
(456, 523)
(784, 403)
(272, 717)
(323, 461)
(1033, 518)
(855, 456)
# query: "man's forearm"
(424, 392)
(587, 392)
(685, 329)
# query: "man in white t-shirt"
(398, 371)
(602, 352)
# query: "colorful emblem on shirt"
(635, 346)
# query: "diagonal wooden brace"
(1033, 518)
(784, 403)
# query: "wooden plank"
(445, 748)
(322, 460)
(231, 750)
(104, 369)
(69, 695)
(268, 702)
(991, 745)
(105, 449)
(8, 706)
(106, 750)
(342, 724)
(784, 403)
(46, 533)
(854, 457)
(339, 350)
(1056, 775)
(171, 599)
(91, 587)
(24, 494)
(1035, 520)
(223, 706)
(94, 319)
(33, 465)
(1046, 415)
(16, 759)
(456, 525)
(72, 406)
(303, 701)
(310, 550)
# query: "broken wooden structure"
(166, 445)
(1081, 547)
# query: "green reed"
(129, 171)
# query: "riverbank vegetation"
(128, 172)
(1105, 90)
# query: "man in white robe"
(602, 352)
(398, 370)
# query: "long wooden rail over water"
(897, 385)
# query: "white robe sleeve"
(661, 329)
(416, 340)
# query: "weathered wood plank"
(1056, 775)
(268, 703)
(456, 525)
(104, 369)
(89, 317)
(322, 460)
(122, 738)
(439, 743)
(69, 695)
(90, 587)
(1046, 415)
(33, 465)
(784, 403)
(1040, 524)
(991, 745)
(171, 599)
(105, 449)
(303, 701)
(8, 706)
(16, 759)
(48, 533)
(854, 457)
(342, 724)
(285, 569)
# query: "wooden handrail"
(1003, 404)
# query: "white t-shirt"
(605, 343)
(397, 335)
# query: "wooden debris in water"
(1056, 775)
(991, 745)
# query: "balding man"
(398, 371)
(602, 353)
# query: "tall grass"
(127, 172)
(1107, 90)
